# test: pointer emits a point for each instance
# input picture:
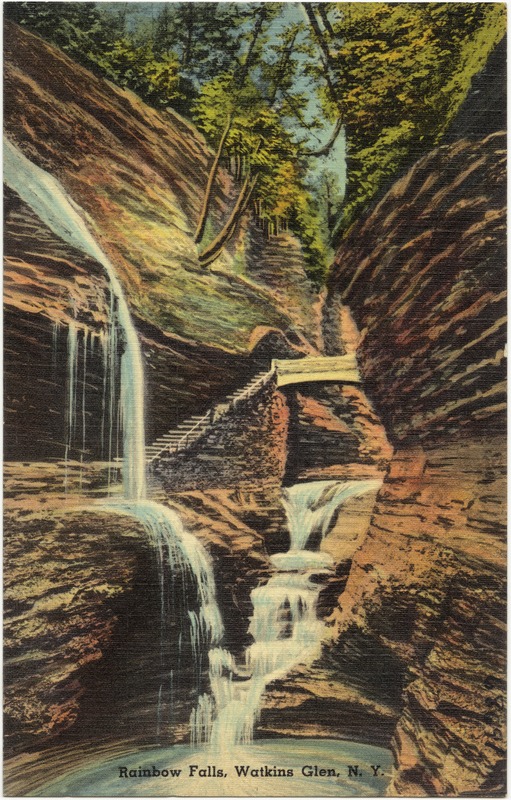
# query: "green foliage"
(78, 29)
(400, 73)
(307, 223)
(156, 80)
(206, 38)
(396, 73)
(259, 141)
(375, 165)
(100, 42)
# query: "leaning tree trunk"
(215, 248)
(201, 225)
(239, 81)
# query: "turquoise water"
(272, 767)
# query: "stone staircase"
(193, 428)
(321, 368)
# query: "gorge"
(360, 525)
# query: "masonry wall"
(246, 448)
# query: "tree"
(260, 80)
(79, 29)
(399, 72)
(206, 38)
(155, 80)
(233, 100)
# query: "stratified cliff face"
(140, 176)
(424, 277)
(82, 611)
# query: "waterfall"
(284, 624)
(310, 507)
(187, 595)
(72, 369)
(180, 556)
(48, 199)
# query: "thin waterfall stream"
(48, 199)
(177, 551)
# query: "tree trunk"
(199, 233)
(238, 83)
(325, 20)
(242, 75)
(215, 248)
(282, 66)
(311, 15)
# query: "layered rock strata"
(423, 276)
(82, 612)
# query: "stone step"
(189, 430)
(161, 444)
(176, 439)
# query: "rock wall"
(140, 176)
(71, 577)
(51, 290)
(433, 362)
(424, 279)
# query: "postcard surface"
(254, 368)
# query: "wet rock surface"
(333, 433)
(70, 577)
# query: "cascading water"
(178, 552)
(187, 598)
(310, 507)
(47, 198)
(284, 625)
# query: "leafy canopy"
(399, 72)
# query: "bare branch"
(324, 151)
(201, 225)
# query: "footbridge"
(341, 369)
(283, 372)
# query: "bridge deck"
(342, 369)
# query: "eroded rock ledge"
(82, 608)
